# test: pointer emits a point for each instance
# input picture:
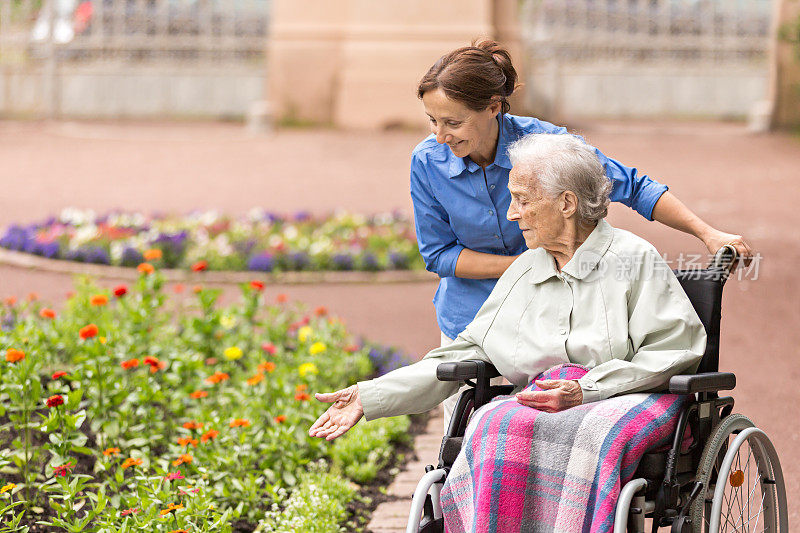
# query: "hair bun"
(502, 59)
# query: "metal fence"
(134, 30)
(695, 31)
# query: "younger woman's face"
(464, 130)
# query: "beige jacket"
(615, 307)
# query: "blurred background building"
(355, 63)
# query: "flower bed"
(133, 409)
(261, 241)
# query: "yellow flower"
(7, 488)
(307, 368)
(303, 333)
(227, 321)
(317, 347)
(102, 340)
(234, 352)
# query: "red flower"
(280, 419)
(120, 291)
(154, 363)
(193, 425)
(269, 348)
(282, 298)
(87, 332)
(200, 266)
(59, 374)
(321, 310)
(130, 363)
(257, 285)
(55, 400)
(173, 475)
(302, 397)
(178, 288)
(11, 301)
(47, 313)
(126, 512)
(63, 469)
(351, 348)
(198, 394)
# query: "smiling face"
(465, 131)
(539, 217)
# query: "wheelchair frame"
(674, 488)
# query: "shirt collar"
(459, 164)
(585, 260)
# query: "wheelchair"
(729, 477)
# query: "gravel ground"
(737, 181)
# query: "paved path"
(740, 182)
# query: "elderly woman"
(583, 294)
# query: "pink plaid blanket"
(524, 470)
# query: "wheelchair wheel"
(743, 482)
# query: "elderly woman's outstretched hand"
(345, 413)
(559, 395)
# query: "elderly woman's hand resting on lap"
(345, 413)
(561, 394)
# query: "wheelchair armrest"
(705, 382)
(464, 370)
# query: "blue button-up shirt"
(458, 204)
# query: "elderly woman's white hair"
(563, 162)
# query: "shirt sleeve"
(665, 333)
(629, 187)
(438, 244)
(415, 388)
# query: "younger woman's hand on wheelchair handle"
(559, 395)
(345, 413)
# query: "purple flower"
(263, 262)
(17, 238)
(131, 256)
(302, 216)
(97, 255)
(370, 262)
(398, 261)
(299, 261)
(342, 262)
(78, 254)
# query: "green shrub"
(366, 448)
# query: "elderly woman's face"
(538, 215)
(465, 131)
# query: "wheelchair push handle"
(725, 259)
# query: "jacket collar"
(505, 136)
(585, 260)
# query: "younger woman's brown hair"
(475, 75)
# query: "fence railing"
(138, 30)
(695, 31)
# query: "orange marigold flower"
(59, 374)
(266, 366)
(179, 531)
(302, 397)
(111, 451)
(178, 288)
(11, 301)
(197, 289)
(152, 254)
(255, 380)
(33, 296)
(240, 422)
(192, 425)
(55, 400)
(98, 300)
(321, 310)
(170, 508)
(186, 441)
(211, 434)
(120, 291)
(145, 268)
(257, 285)
(183, 459)
(13, 355)
(196, 395)
(130, 461)
(301, 388)
(87, 332)
(282, 298)
(280, 419)
(200, 266)
(217, 377)
(47, 313)
(130, 363)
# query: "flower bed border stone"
(34, 262)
